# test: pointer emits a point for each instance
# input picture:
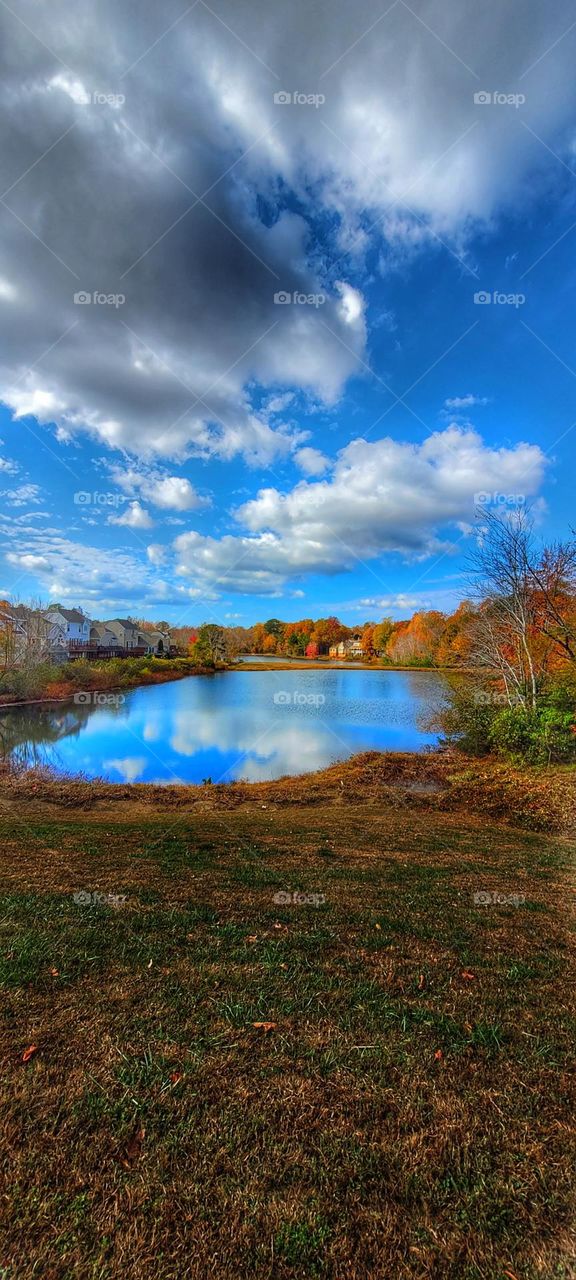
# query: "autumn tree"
(210, 646)
(259, 634)
(328, 631)
(382, 633)
(296, 636)
(416, 641)
(368, 646)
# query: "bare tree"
(554, 582)
(25, 637)
(504, 628)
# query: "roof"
(71, 615)
(102, 629)
(123, 622)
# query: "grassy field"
(314, 1028)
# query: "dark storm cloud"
(100, 194)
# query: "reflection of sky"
(228, 726)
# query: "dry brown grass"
(409, 1114)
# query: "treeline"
(429, 638)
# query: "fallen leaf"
(438, 1055)
(252, 937)
(470, 977)
(134, 1148)
(29, 1052)
(265, 1026)
(176, 1076)
(54, 972)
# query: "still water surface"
(235, 724)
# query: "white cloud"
(383, 496)
(311, 461)
(465, 402)
(22, 495)
(7, 290)
(30, 563)
(401, 602)
(169, 492)
(156, 553)
(135, 517)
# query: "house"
(13, 635)
(130, 638)
(36, 637)
(350, 648)
(103, 642)
(158, 643)
(73, 626)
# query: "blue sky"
(186, 447)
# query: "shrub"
(79, 673)
(543, 736)
(28, 684)
(512, 730)
(479, 724)
(466, 723)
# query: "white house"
(74, 625)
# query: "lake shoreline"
(315, 664)
(439, 780)
(169, 677)
(155, 678)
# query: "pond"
(232, 725)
